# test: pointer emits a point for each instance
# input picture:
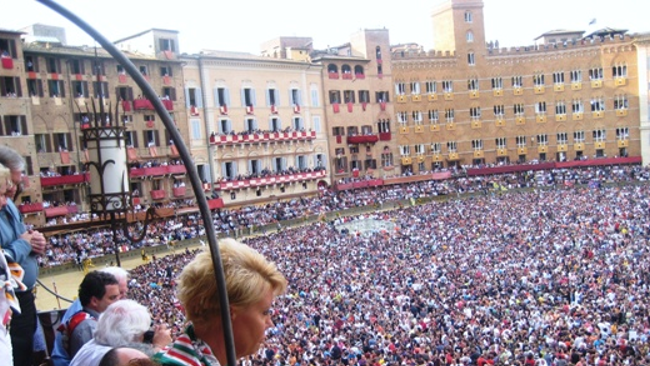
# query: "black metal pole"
(185, 157)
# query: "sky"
(242, 26)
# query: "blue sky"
(244, 25)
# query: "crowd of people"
(77, 246)
(541, 277)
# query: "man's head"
(16, 164)
(124, 356)
(122, 277)
(98, 290)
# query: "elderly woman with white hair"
(123, 324)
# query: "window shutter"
(243, 97)
(277, 97)
(68, 139)
(268, 97)
(284, 163)
(129, 93)
(23, 125)
(253, 99)
(229, 124)
(199, 98)
(58, 66)
(291, 101)
(316, 122)
(19, 90)
(156, 135)
(48, 143)
(85, 84)
(187, 98)
(12, 49)
(215, 93)
(82, 66)
(134, 139)
(167, 137)
(299, 96)
(173, 94)
(250, 167)
(226, 93)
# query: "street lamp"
(109, 197)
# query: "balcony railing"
(61, 210)
(145, 104)
(65, 180)
(179, 191)
(26, 208)
(158, 194)
(270, 180)
(262, 137)
(157, 170)
(363, 139)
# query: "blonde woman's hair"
(248, 275)
(5, 177)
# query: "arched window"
(346, 69)
(358, 70)
(331, 68)
(469, 37)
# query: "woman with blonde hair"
(252, 283)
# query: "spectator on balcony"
(21, 246)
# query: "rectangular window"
(35, 87)
(79, 89)
(364, 96)
(597, 104)
(519, 109)
(125, 93)
(15, 125)
(620, 102)
(383, 126)
(151, 137)
(62, 142)
(500, 142)
(222, 97)
(431, 87)
(562, 138)
(472, 85)
(250, 125)
(448, 86)
(417, 117)
(387, 159)
(558, 77)
(560, 108)
(31, 63)
(622, 133)
(348, 96)
(166, 71)
(520, 141)
(599, 135)
(517, 82)
(335, 96)
(229, 170)
(400, 88)
(499, 111)
(8, 47)
(275, 125)
(196, 129)
(100, 89)
(167, 44)
(53, 65)
(538, 79)
(477, 145)
(382, 97)
(169, 93)
(542, 139)
(10, 87)
(420, 149)
(452, 146)
(76, 66)
(56, 88)
(449, 115)
(475, 113)
(225, 126)
(298, 124)
(436, 148)
(497, 83)
(296, 100)
(433, 116)
(619, 71)
(43, 143)
(402, 118)
(576, 76)
(405, 150)
(540, 108)
(415, 87)
(471, 59)
(315, 97)
(248, 97)
(338, 131)
(317, 124)
(577, 106)
(596, 73)
(579, 136)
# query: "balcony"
(262, 138)
(333, 75)
(157, 194)
(363, 139)
(384, 136)
(157, 171)
(269, 180)
(142, 104)
(28, 208)
(215, 203)
(179, 192)
(347, 76)
(61, 211)
(65, 180)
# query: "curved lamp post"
(185, 156)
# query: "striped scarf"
(186, 350)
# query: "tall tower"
(458, 26)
